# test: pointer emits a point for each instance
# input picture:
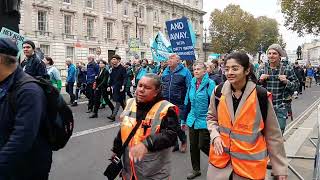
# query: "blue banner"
(181, 38)
(160, 48)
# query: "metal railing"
(316, 172)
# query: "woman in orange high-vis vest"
(241, 141)
(148, 154)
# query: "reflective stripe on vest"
(153, 119)
(245, 144)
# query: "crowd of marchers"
(234, 111)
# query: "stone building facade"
(75, 28)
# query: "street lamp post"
(136, 14)
(205, 45)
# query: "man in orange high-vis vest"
(148, 153)
(248, 140)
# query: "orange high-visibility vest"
(245, 145)
(153, 119)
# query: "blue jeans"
(281, 114)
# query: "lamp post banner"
(180, 36)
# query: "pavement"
(86, 155)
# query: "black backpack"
(59, 124)
(262, 98)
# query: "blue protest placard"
(180, 38)
(160, 48)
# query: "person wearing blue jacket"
(197, 102)
(309, 76)
(25, 154)
(92, 73)
(144, 69)
(71, 78)
(175, 82)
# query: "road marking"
(94, 130)
(304, 128)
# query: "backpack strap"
(218, 94)
(262, 94)
(13, 90)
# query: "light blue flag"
(16, 37)
(193, 34)
(160, 48)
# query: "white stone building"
(75, 28)
(311, 52)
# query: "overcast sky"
(269, 8)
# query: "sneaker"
(74, 104)
(193, 174)
(112, 118)
(183, 147)
(89, 111)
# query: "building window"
(67, 1)
(70, 52)
(141, 34)
(42, 21)
(90, 25)
(109, 4)
(67, 24)
(126, 34)
(45, 49)
(141, 12)
(109, 30)
(155, 16)
(89, 3)
(126, 8)
(92, 50)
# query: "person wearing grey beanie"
(277, 48)
(280, 80)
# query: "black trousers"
(69, 89)
(90, 95)
(97, 97)
(199, 140)
(300, 87)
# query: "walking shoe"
(74, 104)
(175, 148)
(112, 118)
(193, 174)
(183, 147)
(89, 111)
(95, 115)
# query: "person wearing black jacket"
(148, 148)
(300, 75)
(118, 77)
(100, 89)
(81, 81)
(32, 65)
(25, 153)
